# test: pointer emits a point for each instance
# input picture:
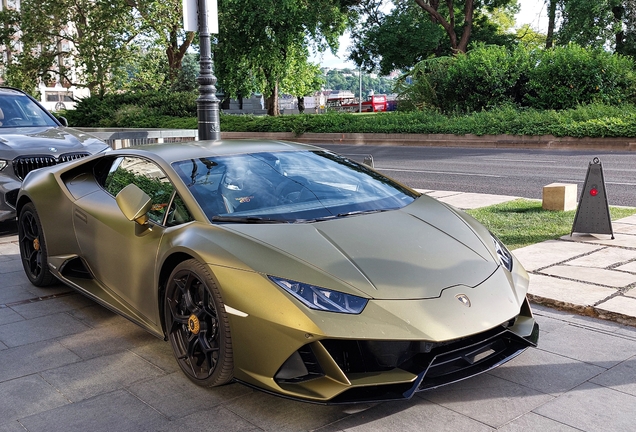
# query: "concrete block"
(101, 375)
(559, 197)
(569, 292)
(551, 252)
(31, 359)
(596, 276)
(175, 396)
(28, 395)
(499, 401)
(592, 408)
(620, 377)
(558, 373)
(115, 411)
(40, 329)
(592, 347)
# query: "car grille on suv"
(23, 165)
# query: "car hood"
(42, 140)
(412, 253)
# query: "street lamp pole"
(360, 77)
(207, 102)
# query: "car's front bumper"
(391, 350)
(352, 371)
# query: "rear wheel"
(197, 325)
(33, 247)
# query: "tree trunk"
(301, 104)
(449, 27)
(468, 26)
(620, 35)
(271, 103)
(549, 40)
(175, 53)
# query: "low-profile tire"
(197, 325)
(33, 249)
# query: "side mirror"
(63, 121)
(134, 204)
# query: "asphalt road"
(499, 171)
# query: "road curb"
(446, 140)
(590, 311)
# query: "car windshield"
(299, 186)
(18, 110)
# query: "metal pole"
(207, 102)
(360, 75)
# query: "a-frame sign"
(592, 213)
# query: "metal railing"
(121, 138)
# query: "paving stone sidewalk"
(67, 364)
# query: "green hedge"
(178, 111)
(564, 77)
(491, 76)
(133, 109)
(485, 78)
(594, 120)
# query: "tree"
(22, 69)
(552, 6)
(187, 77)
(530, 38)
(258, 40)
(162, 20)
(407, 34)
(397, 40)
(626, 40)
(588, 23)
(302, 78)
(145, 70)
(594, 23)
(59, 37)
(431, 7)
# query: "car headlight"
(3, 164)
(505, 257)
(321, 298)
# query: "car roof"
(174, 152)
(11, 91)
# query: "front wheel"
(33, 247)
(197, 325)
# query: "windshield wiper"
(359, 212)
(246, 219)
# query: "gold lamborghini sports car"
(282, 266)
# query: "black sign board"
(592, 213)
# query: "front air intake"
(301, 366)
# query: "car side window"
(148, 177)
(178, 213)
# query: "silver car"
(31, 138)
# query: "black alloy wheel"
(197, 325)
(33, 247)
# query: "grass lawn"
(523, 222)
